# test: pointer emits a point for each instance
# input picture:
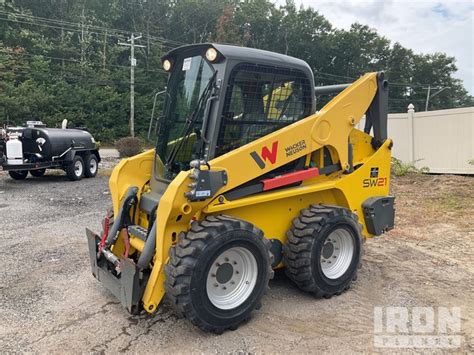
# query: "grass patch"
(400, 168)
(448, 202)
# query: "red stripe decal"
(290, 178)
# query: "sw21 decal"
(374, 180)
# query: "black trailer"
(35, 148)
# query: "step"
(138, 231)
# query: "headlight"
(211, 54)
(166, 65)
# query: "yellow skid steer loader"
(246, 177)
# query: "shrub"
(400, 168)
(129, 146)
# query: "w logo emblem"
(266, 155)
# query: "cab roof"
(237, 53)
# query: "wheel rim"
(78, 168)
(232, 278)
(93, 166)
(337, 253)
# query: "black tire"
(18, 175)
(190, 266)
(37, 172)
(303, 251)
(73, 171)
(91, 166)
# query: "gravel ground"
(49, 301)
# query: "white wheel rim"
(78, 168)
(337, 253)
(93, 166)
(232, 278)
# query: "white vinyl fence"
(441, 140)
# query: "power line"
(162, 44)
(391, 83)
(67, 76)
(77, 61)
(62, 23)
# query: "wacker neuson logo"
(266, 154)
(295, 148)
(417, 327)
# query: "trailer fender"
(96, 153)
(69, 156)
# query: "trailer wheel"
(218, 272)
(75, 170)
(91, 166)
(323, 250)
(37, 172)
(18, 175)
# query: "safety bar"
(330, 89)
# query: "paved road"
(49, 301)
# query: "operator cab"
(221, 97)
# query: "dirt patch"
(49, 302)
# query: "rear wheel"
(75, 170)
(323, 250)
(218, 272)
(91, 165)
(37, 172)
(18, 175)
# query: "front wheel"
(75, 170)
(218, 272)
(18, 175)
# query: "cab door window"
(260, 100)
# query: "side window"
(260, 100)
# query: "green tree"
(61, 58)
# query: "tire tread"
(183, 258)
(300, 238)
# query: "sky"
(425, 26)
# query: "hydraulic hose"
(148, 249)
(122, 214)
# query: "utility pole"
(83, 56)
(104, 58)
(429, 96)
(133, 64)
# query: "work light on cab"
(166, 65)
(211, 54)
